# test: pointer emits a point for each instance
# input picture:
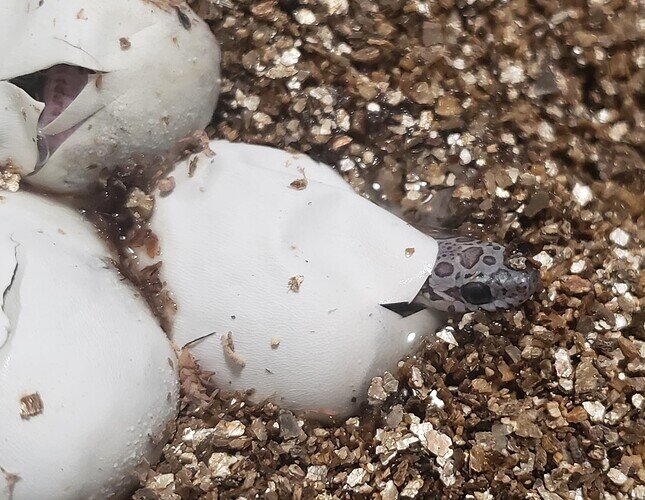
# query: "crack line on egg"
(10, 481)
(10, 301)
(77, 47)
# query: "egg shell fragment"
(18, 128)
(156, 79)
(88, 379)
(279, 250)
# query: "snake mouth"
(57, 87)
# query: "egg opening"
(56, 87)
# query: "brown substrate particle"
(516, 121)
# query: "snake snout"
(527, 283)
(534, 281)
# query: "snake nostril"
(534, 281)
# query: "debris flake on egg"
(258, 244)
(88, 380)
(118, 79)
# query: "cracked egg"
(88, 380)
(117, 80)
(278, 281)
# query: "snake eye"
(476, 293)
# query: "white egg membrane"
(74, 332)
(155, 81)
(234, 234)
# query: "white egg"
(88, 380)
(279, 251)
(122, 78)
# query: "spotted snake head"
(470, 275)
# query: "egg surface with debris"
(18, 126)
(278, 269)
(117, 79)
(88, 380)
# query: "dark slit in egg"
(57, 87)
